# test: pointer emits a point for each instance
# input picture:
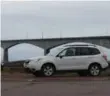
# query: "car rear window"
(93, 51)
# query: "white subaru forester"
(85, 59)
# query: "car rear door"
(82, 54)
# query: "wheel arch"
(49, 63)
(94, 64)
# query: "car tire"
(48, 70)
(94, 70)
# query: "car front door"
(66, 59)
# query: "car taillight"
(105, 57)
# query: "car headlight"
(26, 62)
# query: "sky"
(37, 19)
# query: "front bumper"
(29, 68)
(33, 65)
(25, 65)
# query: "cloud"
(70, 19)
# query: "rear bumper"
(106, 68)
(106, 65)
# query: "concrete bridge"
(50, 43)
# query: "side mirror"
(61, 56)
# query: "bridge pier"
(5, 57)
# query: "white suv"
(83, 59)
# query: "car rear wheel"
(94, 70)
(48, 70)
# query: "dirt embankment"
(17, 66)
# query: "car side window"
(62, 53)
(68, 52)
(77, 51)
(81, 51)
(93, 51)
(84, 51)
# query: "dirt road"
(55, 86)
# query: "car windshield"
(54, 52)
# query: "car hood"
(38, 57)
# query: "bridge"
(50, 43)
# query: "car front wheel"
(48, 70)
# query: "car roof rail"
(80, 45)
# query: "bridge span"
(49, 43)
